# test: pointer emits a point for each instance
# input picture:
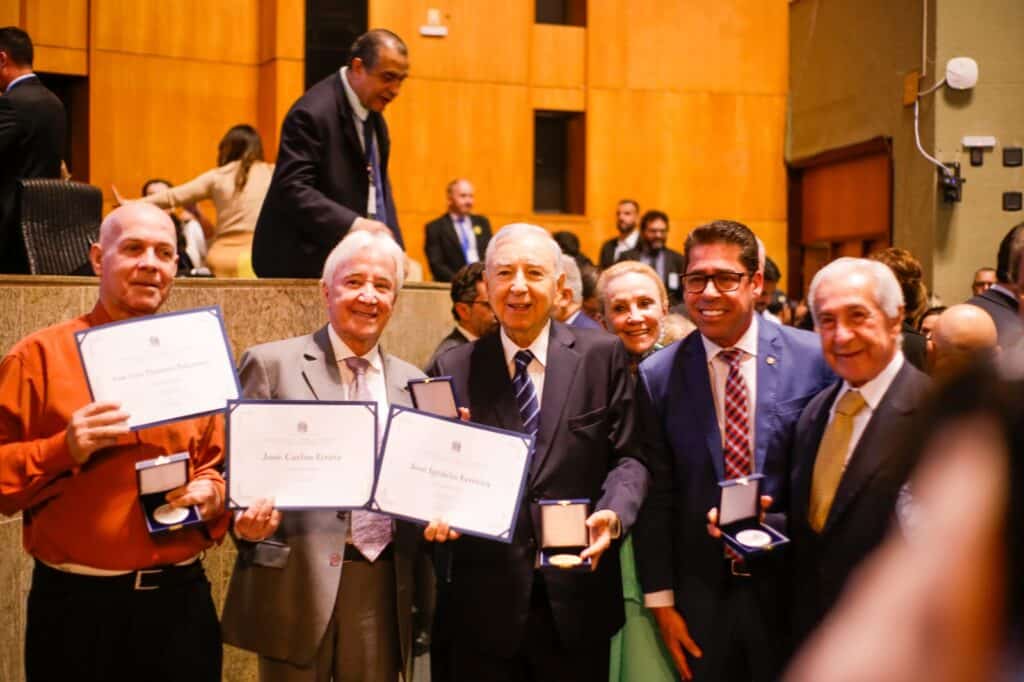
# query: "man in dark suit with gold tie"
(847, 475)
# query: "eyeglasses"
(725, 281)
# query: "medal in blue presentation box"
(470, 475)
(155, 478)
(303, 454)
(161, 368)
(739, 514)
(563, 535)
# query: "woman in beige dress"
(237, 187)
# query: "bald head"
(962, 333)
(135, 258)
(131, 213)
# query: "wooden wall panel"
(850, 199)
(488, 40)
(281, 82)
(156, 116)
(186, 29)
(557, 56)
(10, 13)
(57, 23)
(558, 99)
(62, 60)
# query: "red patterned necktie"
(736, 448)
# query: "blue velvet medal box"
(156, 477)
(739, 518)
(564, 534)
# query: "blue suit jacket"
(585, 321)
(673, 548)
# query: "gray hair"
(517, 231)
(573, 278)
(887, 291)
(360, 240)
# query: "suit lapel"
(867, 458)
(398, 389)
(491, 398)
(698, 383)
(559, 374)
(320, 368)
(348, 120)
(769, 360)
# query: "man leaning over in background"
(108, 601)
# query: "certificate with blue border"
(161, 368)
(470, 475)
(303, 454)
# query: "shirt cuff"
(654, 600)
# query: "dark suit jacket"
(320, 184)
(444, 250)
(607, 257)
(283, 590)
(673, 548)
(1004, 312)
(915, 347)
(33, 127)
(586, 448)
(453, 340)
(675, 264)
(865, 501)
(584, 321)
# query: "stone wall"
(255, 311)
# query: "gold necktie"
(831, 459)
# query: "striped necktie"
(737, 420)
(526, 395)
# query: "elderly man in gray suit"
(324, 595)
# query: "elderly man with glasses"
(721, 404)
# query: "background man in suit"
(652, 250)
(721, 404)
(847, 475)
(470, 308)
(625, 222)
(568, 306)
(1000, 300)
(459, 237)
(571, 388)
(332, 165)
(983, 280)
(32, 131)
(323, 594)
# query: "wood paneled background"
(684, 100)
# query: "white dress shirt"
(535, 369)
(872, 391)
(627, 243)
(470, 336)
(464, 227)
(374, 375)
(718, 370)
(18, 80)
(362, 113)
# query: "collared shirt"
(535, 369)
(470, 336)
(872, 391)
(374, 374)
(363, 114)
(572, 318)
(464, 228)
(627, 243)
(719, 372)
(18, 80)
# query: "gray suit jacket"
(283, 590)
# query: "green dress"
(637, 654)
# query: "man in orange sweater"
(108, 600)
